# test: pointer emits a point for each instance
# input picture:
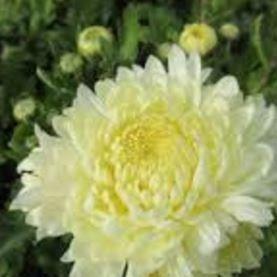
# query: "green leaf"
(257, 42)
(19, 142)
(14, 238)
(42, 13)
(130, 34)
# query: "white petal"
(205, 74)
(243, 251)
(194, 67)
(124, 74)
(201, 179)
(227, 87)
(87, 268)
(248, 209)
(266, 157)
(67, 257)
(47, 220)
(209, 235)
(143, 268)
(261, 123)
(86, 97)
(154, 77)
(176, 266)
(104, 88)
(138, 70)
(44, 139)
(177, 63)
(242, 117)
(60, 125)
(28, 198)
(30, 163)
(255, 164)
(154, 66)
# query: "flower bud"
(198, 37)
(70, 63)
(89, 41)
(229, 31)
(24, 108)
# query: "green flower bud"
(89, 40)
(229, 31)
(70, 63)
(24, 108)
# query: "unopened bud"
(24, 108)
(90, 39)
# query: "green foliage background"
(33, 36)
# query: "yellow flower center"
(145, 139)
(148, 163)
(150, 159)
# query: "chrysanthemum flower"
(198, 37)
(158, 170)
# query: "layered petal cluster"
(157, 170)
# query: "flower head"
(156, 169)
(90, 39)
(198, 37)
(229, 31)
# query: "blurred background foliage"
(35, 35)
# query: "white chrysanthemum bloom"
(156, 169)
